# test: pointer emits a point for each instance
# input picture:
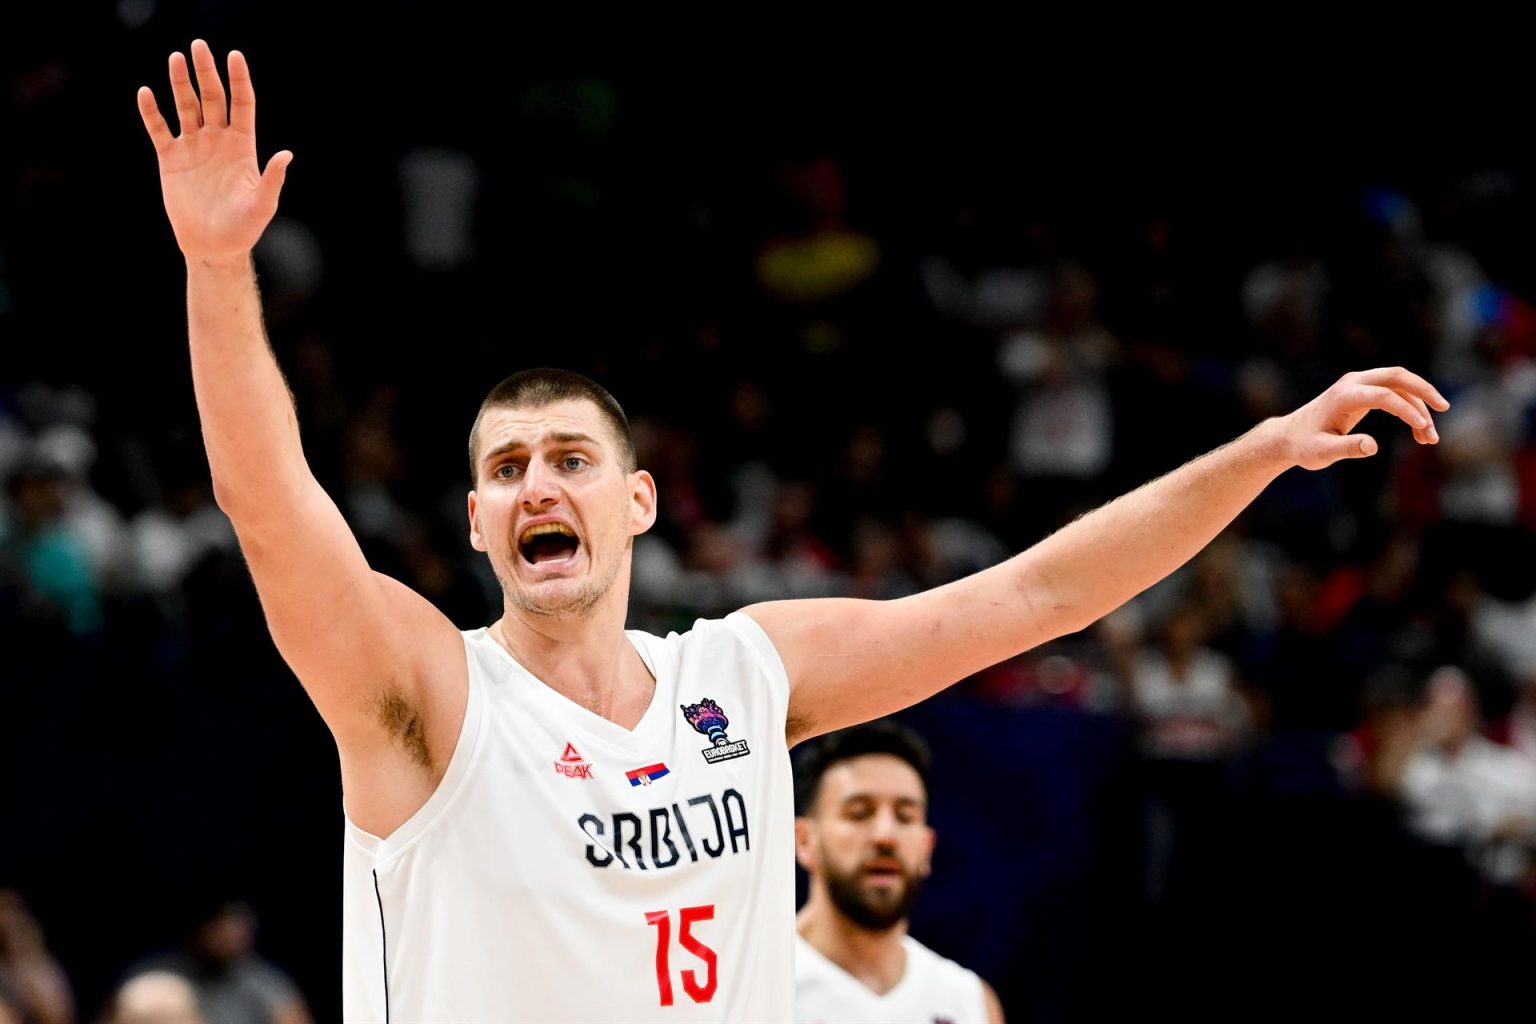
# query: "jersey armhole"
(758, 641)
(384, 849)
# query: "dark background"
(160, 756)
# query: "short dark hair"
(882, 736)
(543, 386)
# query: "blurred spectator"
(90, 517)
(1460, 789)
(1185, 696)
(818, 257)
(1296, 666)
(988, 286)
(791, 543)
(374, 468)
(1482, 485)
(1191, 718)
(1062, 438)
(52, 561)
(441, 187)
(170, 537)
(30, 978)
(156, 997)
(234, 983)
(1284, 300)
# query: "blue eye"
(574, 462)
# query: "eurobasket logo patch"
(647, 775)
(572, 765)
(706, 717)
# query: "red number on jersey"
(705, 992)
(662, 919)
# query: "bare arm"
(850, 661)
(994, 1004)
(362, 644)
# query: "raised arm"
(850, 661)
(383, 666)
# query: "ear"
(476, 541)
(927, 865)
(642, 499)
(805, 842)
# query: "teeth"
(545, 528)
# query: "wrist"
(235, 264)
(1272, 444)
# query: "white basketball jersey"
(932, 990)
(568, 869)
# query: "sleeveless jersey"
(931, 990)
(569, 869)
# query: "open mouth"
(547, 542)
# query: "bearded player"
(862, 836)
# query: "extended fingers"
(1424, 435)
(1364, 397)
(154, 123)
(215, 106)
(1400, 379)
(187, 112)
(242, 95)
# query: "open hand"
(217, 197)
(1319, 433)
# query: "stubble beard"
(871, 909)
(585, 599)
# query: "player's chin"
(885, 888)
(554, 596)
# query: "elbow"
(234, 501)
(1066, 620)
(227, 498)
(253, 503)
(1055, 611)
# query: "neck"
(876, 959)
(585, 658)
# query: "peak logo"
(572, 765)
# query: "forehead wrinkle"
(516, 443)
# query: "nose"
(884, 828)
(539, 486)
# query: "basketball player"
(553, 818)
(862, 836)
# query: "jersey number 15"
(686, 916)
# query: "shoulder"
(933, 969)
(942, 971)
(735, 634)
(926, 959)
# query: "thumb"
(277, 171)
(1350, 446)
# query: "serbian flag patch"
(647, 775)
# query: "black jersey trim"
(383, 944)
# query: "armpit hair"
(402, 721)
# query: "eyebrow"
(516, 443)
(910, 801)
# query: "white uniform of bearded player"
(410, 700)
(862, 836)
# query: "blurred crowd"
(840, 393)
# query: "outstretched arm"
(362, 644)
(850, 661)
